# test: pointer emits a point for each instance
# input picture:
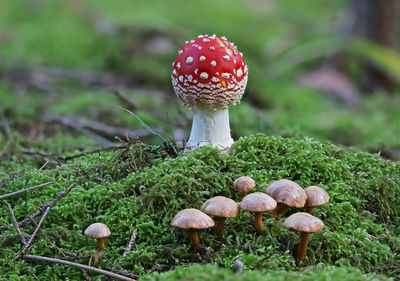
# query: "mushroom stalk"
(309, 210)
(258, 221)
(194, 238)
(220, 225)
(210, 127)
(280, 210)
(302, 248)
(100, 243)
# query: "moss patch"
(361, 221)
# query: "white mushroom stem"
(210, 128)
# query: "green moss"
(361, 221)
(212, 272)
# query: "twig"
(49, 204)
(65, 121)
(6, 127)
(78, 265)
(47, 238)
(129, 246)
(134, 105)
(32, 236)
(23, 190)
(16, 224)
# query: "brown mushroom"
(316, 196)
(191, 220)
(305, 224)
(221, 207)
(98, 231)
(244, 184)
(288, 194)
(258, 203)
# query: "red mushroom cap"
(209, 72)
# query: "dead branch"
(48, 205)
(129, 246)
(81, 266)
(68, 122)
(23, 190)
(32, 236)
(16, 224)
(7, 132)
(132, 105)
(47, 238)
(87, 127)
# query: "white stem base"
(210, 128)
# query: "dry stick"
(129, 246)
(8, 135)
(16, 224)
(73, 124)
(23, 190)
(47, 238)
(134, 105)
(49, 204)
(32, 236)
(81, 266)
(65, 158)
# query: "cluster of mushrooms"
(279, 196)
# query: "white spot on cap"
(180, 52)
(241, 54)
(186, 42)
(212, 48)
(239, 72)
(206, 40)
(199, 47)
(181, 78)
(223, 37)
(222, 45)
(200, 36)
(225, 75)
(189, 60)
(178, 65)
(174, 71)
(192, 41)
(213, 63)
(227, 58)
(215, 79)
(196, 70)
(204, 75)
(190, 78)
(202, 58)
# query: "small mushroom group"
(279, 196)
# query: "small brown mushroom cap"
(192, 218)
(221, 206)
(97, 230)
(303, 222)
(287, 192)
(316, 196)
(258, 202)
(244, 184)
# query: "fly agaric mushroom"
(305, 224)
(191, 220)
(258, 203)
(316, 196)
(244, 184)
(99, 231)
(208, 75)
(221, 207)
(288, 194)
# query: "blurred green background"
(316, 68)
